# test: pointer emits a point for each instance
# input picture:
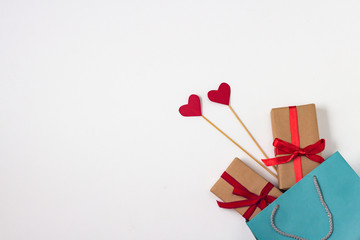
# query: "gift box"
(297, 143)
(330, 210)
(244, 190)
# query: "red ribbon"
(282, 147)
(252, 200)
(295, 139)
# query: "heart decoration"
(193, 108)
(222, 95)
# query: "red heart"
(193, 108)
(222, 95)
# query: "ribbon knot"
(300, 152)
(251, 199)
(282, 147)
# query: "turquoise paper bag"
(300, 211)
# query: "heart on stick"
(193, 108)
(222, 95)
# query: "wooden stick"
(248, 132)
(257, 161)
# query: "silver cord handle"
(331, 226)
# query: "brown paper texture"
(248, 178)
(308, 134)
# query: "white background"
(91, 142)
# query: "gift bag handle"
(331, 227)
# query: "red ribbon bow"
(252, 200)
(282, 147)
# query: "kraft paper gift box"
(301, 213)
(244, 190)
(296, 125)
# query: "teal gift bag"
(325, 204)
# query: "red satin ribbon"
(295, 139)
(252, 200)
(282, 147)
